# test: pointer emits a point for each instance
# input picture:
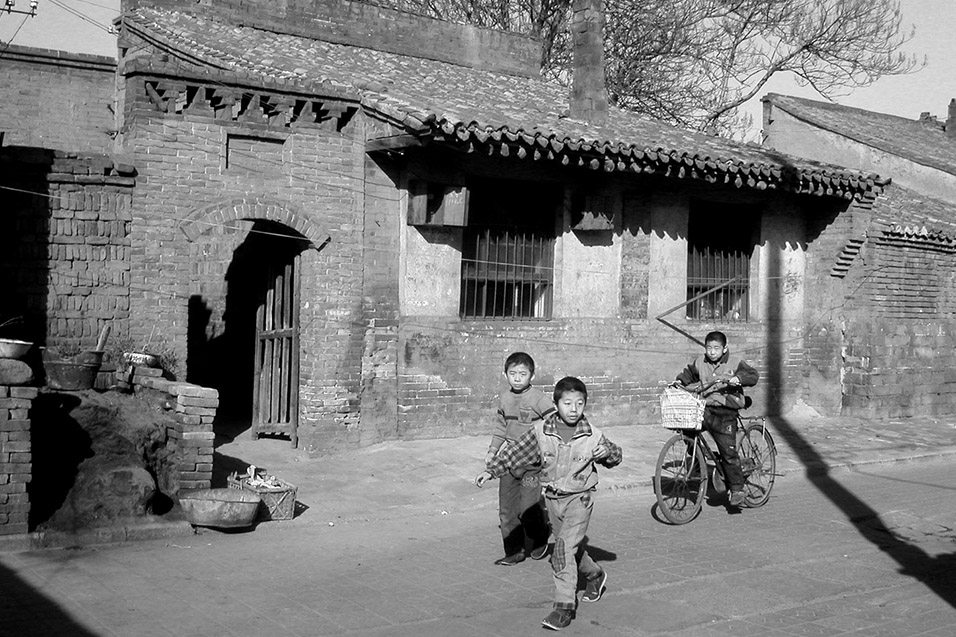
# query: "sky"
(82, 26)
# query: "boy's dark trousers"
(721, 422)
(521, 513)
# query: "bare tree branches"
(694, 62)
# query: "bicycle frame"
(683, 472)
(712, 455)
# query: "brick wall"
(54, 99)
(879, 336)
(64, 245)
(376, 27)
(899, 368)
(15, 458)
(194, 410)
(450, 371)
(194, 213)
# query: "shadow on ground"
(27, 612)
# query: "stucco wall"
(796, 137)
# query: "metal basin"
(12, 348)
(222, 508)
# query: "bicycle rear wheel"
(758, 461)
(680, 480)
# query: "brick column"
(194, 409)
(15, 459)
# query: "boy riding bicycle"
(723, 400)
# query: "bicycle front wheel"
(758, 460)
(680, 481)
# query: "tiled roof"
(907, 138)
(477, 109)
(905, 212)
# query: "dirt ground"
(98, 457)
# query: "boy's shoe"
(736, 498)
(540, 552)
(558, 619)
(595, 588)
(511, 560)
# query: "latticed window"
(508, 251)
(720, 242)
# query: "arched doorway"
(258, 352)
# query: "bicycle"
(686, 461)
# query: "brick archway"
(202, 220)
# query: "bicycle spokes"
(680, 480)
(759, 465)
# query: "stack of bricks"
(15, 459)
(194, 409)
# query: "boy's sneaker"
(511, 560)
(540, 552)
(595, 588)
(736, 498)
(558, 619)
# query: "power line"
(12, 37)
(83, 16)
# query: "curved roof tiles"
(468, 107)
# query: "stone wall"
(57, 100)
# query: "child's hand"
(600, 451)
(482, 478)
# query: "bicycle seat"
(748, 402)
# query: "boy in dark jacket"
(724, 400)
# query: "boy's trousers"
(570, 516)
(520, 513)
(722, 425)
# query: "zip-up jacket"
(566, 467)
(703, 371)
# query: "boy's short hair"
(520, 358)
(720, 337)
(569, 384)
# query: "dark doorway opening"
(228, 362)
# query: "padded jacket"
(703, 371)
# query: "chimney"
(588, 92)
(951, 120)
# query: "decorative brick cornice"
(917, 237)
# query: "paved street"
(866, 552)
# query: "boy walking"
(567, 447)
(722, 403)
(524, 529)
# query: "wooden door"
(275, 400)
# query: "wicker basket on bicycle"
(681, 409)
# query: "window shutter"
(432, 204)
